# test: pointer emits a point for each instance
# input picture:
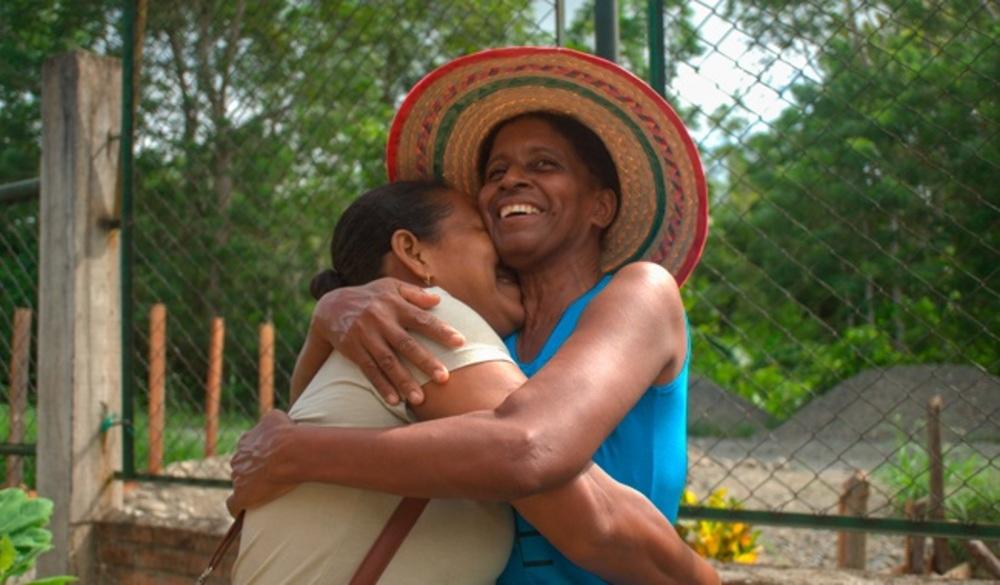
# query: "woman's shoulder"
(462, 317)
(644, 274)
(481, 342)
(642, 286)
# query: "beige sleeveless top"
(318, 534)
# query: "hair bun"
(324, 282)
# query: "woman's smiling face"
(464, 262)
(538, 195)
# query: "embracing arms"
(604, 526)
(538, 438)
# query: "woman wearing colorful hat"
(514, 126)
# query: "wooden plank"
(213, 385)
(983, 556)
(851, 546)
(157, 385)
(942, 559)
(79, 305)
(17, 398)
(915, 544)
(265, 382)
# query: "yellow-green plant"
(23, 536)
(734, 542)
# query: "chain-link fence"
(18, 303)
(851, 274)
(259, 123)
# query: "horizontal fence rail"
(19, 191)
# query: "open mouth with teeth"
(518, 209)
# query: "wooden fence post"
(915, 546)
(851, 552)
(17, 398)
(265, 390)
(79, 308)
(983, 556)
(213, 385)
(942, 559)
(157, 385)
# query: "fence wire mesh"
(259, 123)
(852, 269)
(18, 304)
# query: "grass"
(184, 438)
(184, 435)
(971, 483)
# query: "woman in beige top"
(318, 533)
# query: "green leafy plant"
(23, 536)
(971, 484)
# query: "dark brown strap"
(375, 562)
(220, 551)
(388, 542)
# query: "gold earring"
(428, 280)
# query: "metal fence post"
(606, 29)
(657, 65)
(79, 330)
(126, 217)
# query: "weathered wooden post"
(79, 312)
(915, 544)
(157, 384)
(942, 559)
(213, 385)
(265, 381)
(853, 502)
(17, 398)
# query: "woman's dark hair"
(588, 145)
(363, 234)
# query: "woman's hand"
(370, 325)
(253, 466)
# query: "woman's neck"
(546, 294)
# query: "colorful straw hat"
(664, 204)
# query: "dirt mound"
(881, 402)
(714, 411)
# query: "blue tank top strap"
(647, 451)
(563, 329)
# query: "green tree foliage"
(681, 40)
(30, 32)
(260, 123)
(23, 536)
(859, 228)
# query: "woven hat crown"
(445, 118)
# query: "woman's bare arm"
(600, 524)
(539, 438)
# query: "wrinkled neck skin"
(548, 289)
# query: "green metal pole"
(128, 380)
(19, 191)
(844, 523)
(657, 62)
(606, 29)
(560, 22)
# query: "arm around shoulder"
(631, 336)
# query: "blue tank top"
(647, 451)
